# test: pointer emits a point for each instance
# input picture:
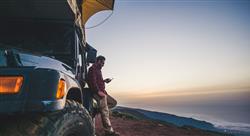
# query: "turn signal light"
(61, 89)
(10, 84)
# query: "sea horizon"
(231, 123)
(236, 127)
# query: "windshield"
(50, 39)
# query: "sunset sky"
(159, 50)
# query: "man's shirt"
(95, 79)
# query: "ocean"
(229, 111)
(236, 119)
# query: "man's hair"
(100, 58)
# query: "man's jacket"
(95, 80)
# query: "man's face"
(100, 63)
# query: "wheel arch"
(75, 94)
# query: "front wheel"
(73, 120)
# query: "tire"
(73, 120)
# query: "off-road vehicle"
(43, 65)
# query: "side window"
(78, 51)
(82, 61)
(81, 66)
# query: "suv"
(43, 65)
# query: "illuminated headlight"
(10, 84)
(61, 89)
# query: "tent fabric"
(87, 9)
(78, 18)
(74, 7)
(91, 7)
(53, 10)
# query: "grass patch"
(124, 115)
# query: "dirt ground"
(132, 127)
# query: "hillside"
(136, 124)
(169, 118)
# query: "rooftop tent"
(36, 9)
(53, 9)
(91, 7)
(69, 11)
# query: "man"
(97, 84)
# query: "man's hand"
(107, 80)
(101, 94)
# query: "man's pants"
(104, 104)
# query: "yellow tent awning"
(91, 7)
(87, 9)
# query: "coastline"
(236, 129)
(130, 125)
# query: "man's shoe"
(112, 133)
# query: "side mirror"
(91, 54)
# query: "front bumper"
(31, 106)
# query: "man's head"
(100, 60)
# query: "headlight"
(10, 84)
(61, 89)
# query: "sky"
(171, 51)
